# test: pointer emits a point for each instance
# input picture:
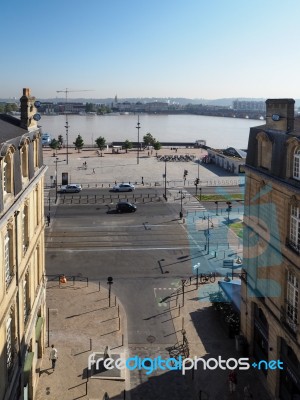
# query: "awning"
(38, 328)
(232, 290)
(27, 367)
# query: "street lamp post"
(138, 151)
(67, 137)
(229, 207)
(209, 221)
(56, 161)
(217, 207)
(181, 197)
(196, 267)
(165, 195)
(109, 282)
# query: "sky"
(150, 48)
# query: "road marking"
(123, 249)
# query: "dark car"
(125, 206)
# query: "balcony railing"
(292, 245)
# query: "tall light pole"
(56, 161)
(209, 221)
(138, 151)
(181, 197)
(66, 91)
(67, 136)
(165, 195)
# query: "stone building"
(270, 290)
(22, 264)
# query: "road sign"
(227, 263)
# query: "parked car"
(123, 187)
(72, 188)
(125, 206)
(46, 139)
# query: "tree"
(60, 140)
(54, 144)
(103, 109)
(148, 139)
(89, 107)
(127, 145)
(101, 142)
(78, 143)
(156, 145)
(9, 107)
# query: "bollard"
(99, 286)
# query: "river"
(217, 131)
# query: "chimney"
(280, 114)
(27, 110)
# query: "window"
(295, 227)
(9, 344)
(7, 174)
(25, 223)
(26, 298)
(296, 164)
(24, 160)
(292, 300)
(264, 150)
(8, 258)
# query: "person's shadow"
(46, 371)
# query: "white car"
(123, 187)
(72, 188)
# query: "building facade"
(230, 159)
(22, 264)
(270, 290)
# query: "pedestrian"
(142, 180)
(232, 380)
(94, 171)
(247, 392)
(48, 219)
(53, 356)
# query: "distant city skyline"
(135, 49)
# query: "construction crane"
(66, 91)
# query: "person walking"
(48, 219)
(53, 356)
(94, 171)
(232, 380)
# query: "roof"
(10, 128)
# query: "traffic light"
(229, 205)
(197, 181)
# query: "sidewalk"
(80, 323)
(207, 338)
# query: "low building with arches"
(270, 304)
(22, 264)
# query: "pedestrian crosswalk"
(189, 203)
(194, 206)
